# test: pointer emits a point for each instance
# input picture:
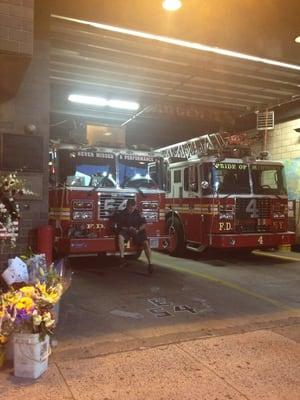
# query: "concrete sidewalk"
(253, 366)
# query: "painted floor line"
(230, 285)
(279, 256)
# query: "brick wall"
(284, 141)
(16, 26)
(31, 106)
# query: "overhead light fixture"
(172, 5)
(297, 39)
(89, 100)
(101, 102)
(181, 43)
(126, 105)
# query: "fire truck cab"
(221, 196)
(89, 184)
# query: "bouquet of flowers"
(29, 309)
(10, 186)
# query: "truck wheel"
(175, 230)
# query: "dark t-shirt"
(124, 219)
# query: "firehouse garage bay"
(206, 141)
(217, 196)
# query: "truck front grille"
(109, 203)
(253, 208)
(251, 215)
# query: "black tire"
(175, 231)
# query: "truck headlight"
(278, 215)
(150, 205)
(150, 216)
(83, 204)
(226, 216)
(82, 215)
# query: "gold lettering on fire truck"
(231, 166)
(225, 226)
(95, 154)
(95, 226)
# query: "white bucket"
(9, 351)
(30, 355)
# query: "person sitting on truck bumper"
(132, 225)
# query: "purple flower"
(23, 315)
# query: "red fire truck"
(89, 184)
(221, 196)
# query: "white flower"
(49, 323)
(36, 318)
(47, 317)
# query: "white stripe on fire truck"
(52, 218)
(60, 216)
(195, 210)
(59, 213)
(60, 210)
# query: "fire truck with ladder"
(221, 196)
(89, 184)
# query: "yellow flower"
(25, 302)
(41, 287)
(51, 295)
(11, 298)
(28, 290)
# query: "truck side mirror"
(204, 185)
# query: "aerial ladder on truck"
(196, 146)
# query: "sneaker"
(150, 269)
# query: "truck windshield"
(86, 168)
(139, 171)
(268, 179)
(228, 178)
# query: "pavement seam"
(229, 285)
(64, 379)
(178, 342)
(212, 371)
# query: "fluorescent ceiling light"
(181, 43)
(126, 105)
(297, 39)
(90, 100)
(172, 5)
(101, 102)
